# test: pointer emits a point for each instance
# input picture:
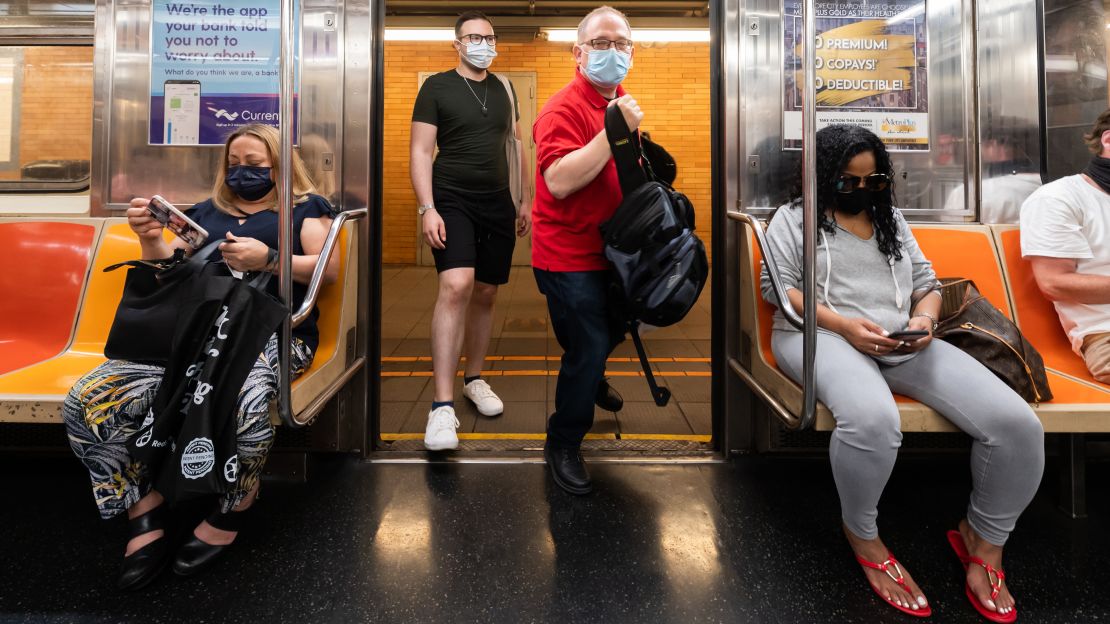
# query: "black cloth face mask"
(855, 202)
(1099, 171)
(250, 183)
(860, 199)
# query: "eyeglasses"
(624, 45)
(476, 39)
(875, 182)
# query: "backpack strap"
(196, 262)
(625, 146)
(513, 104)
(660, 394)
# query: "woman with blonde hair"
(106, 408)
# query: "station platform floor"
(524, 359)
(753, 540)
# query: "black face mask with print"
(1099, 171)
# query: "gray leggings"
(1007, 457)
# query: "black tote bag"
(189, 436)
(151, 304)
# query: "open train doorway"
(671, 81)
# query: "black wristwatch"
(271, 260)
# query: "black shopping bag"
(189, 436)
(153, 302)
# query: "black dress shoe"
(568, 470)
(145, 564)
(608, 398)
(196, 555)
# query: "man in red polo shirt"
(576, 191)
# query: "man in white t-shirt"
(1065, 234)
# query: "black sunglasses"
(875, 182)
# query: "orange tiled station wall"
(670, 81)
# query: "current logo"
(224, 114)
(198, 458)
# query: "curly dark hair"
(837, 145)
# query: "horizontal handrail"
(785, 306)
(809, 405)
(317, 404)
(317, 280)
(787, 417)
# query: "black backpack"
(659, 264)
(662, 163)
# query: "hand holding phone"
(142, 223)
(908, 335)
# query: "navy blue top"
(263, 226)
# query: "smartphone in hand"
(909, 335)
(173, 219)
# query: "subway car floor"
(751, 540)
(521, 367)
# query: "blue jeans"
(578, 303)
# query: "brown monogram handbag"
(970, 322)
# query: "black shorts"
(481, 233)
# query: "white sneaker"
(440, 434)
(479, 393)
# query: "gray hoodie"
(854, 278)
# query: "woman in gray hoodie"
(873, 281)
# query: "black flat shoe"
(568, 470)
(145, 564)
(196, 555)
(607, 398)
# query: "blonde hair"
(222, 195)
(601, 10)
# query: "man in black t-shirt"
(468, 212)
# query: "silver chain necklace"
(485, 95)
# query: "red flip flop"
(898, 577)
(995, 577)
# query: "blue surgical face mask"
(250, 183)
(607, 68)
(479, 55)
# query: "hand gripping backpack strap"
(625, 146)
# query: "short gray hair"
(601, 10)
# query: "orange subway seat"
(966, 251)
(1036, 315)
(52, 378)
(45, 264)
(330, 306)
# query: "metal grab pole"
(285, 211)
(809, 217)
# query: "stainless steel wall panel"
(1009, 108)
(1075, 48)
(125, 166)
(925, 180)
